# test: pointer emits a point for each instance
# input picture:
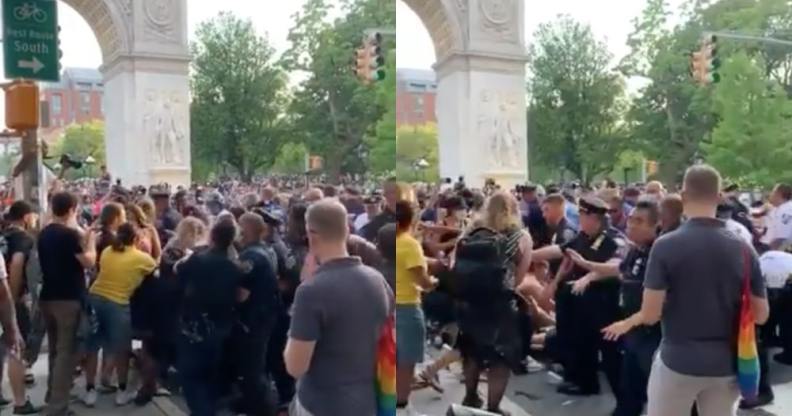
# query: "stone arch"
(106, 19)
(145, 64)
(442, 20)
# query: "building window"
(85, 102)
(57, 104)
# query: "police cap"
(593, 205)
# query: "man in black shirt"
(392, 195)
(640, 343)
(64, 253)
(18, 245)
(211, 280)
(256, 316)
(167, 217)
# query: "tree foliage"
(238, 97)
(677, 122)
(291, 159)
(575, 99)
(80, 141)
(415, 143)
(333, 113)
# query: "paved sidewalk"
(105, 406)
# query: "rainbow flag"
(747, 356)
(386, 370)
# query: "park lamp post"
(89, 162)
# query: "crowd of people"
(645, 285)
(268, 299)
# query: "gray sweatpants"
(672, 393)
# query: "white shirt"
(361, 221)
(776, 268)
(779, 225)
(739, 230)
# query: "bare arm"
(156, 244)
(297, 356)
(422, 278)
(650, 314)
(547, 253)
(16, 273)
(761, 309)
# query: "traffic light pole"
(738, 36)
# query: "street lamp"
(89, 162)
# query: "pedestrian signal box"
(22, 105)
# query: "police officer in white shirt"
(779, 227)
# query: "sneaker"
(90, 397)
(123, 397)
(26, 409)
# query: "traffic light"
(705, 62)
(376, 57)
(22, 106)
(361, 64)
(651, 167)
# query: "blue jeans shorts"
(114, 334)
(410, 334)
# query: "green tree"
(291, 159)
(415, 143)
(334, 114)
(576, 98)
(750, 142)
(81, 141)
(238, 94)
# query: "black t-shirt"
(210, 281)
(62, 274)
(559, 235)
(605, 246)
(18, 241)
(260, 280)
(371, 230)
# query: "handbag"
(748, 370)
(385, 387)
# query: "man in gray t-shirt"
(337, 319)
(693, 285)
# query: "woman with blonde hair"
(490, 334)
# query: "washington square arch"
(481, 114)
(145, 65)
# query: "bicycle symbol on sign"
(30, 11)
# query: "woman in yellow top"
(122, 270)
(411, 276)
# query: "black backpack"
(484, 261)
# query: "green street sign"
(30, 39)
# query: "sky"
(610, 20)
(81, 49)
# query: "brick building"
(416, 90)
(78, 98)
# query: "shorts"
(410, 334)
(114, 333)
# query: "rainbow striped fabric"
(386, 370)
(747, 357)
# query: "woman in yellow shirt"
(411, 276)
(122, 270)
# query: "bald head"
(655, 188)
(327, 220)
(252, 227)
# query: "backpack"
(484, 266)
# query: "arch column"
(480, 106)
(146, 87)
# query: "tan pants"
(61, 319)
(671, 393)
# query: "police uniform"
(580, 318)
(640, 343)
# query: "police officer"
(640, 343)
(581, 314)
(256, 317)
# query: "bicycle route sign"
(30, 39)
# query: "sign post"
(30, 33)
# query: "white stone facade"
(146, 70)
(481, 107)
